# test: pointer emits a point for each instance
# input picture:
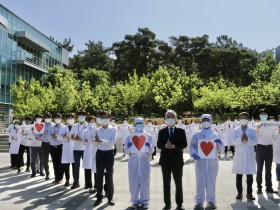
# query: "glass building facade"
(24, 52)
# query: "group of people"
(92, 140)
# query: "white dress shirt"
(265, 133)
(107, 137)
(78, 130)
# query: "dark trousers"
(14, 160)
(249, 183)
(46, 150)
(78, 155)
(154, 152)
(66, 170)
(115, 150)
(88, 181)
(177, 172)
(35, 152)
(264, 155)
(56, 152)
(232, 148)
(21, 151)
(105, 160)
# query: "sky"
(255, 23)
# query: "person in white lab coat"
(124, 130)
(15, 139)
(76, 136)
(67, 157)
(139, 146)
(244, 138)
(24, 145)
(151, 129)
(227, 130)
(90, 150)
(8, 131)
(206, 170)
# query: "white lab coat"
(206, 170)
(151, 129)
(15, 136)
(67, 145)
(88, 136)
(227, 133)
(139, 168)
(276, 147)
(245, 157)
(124, 132)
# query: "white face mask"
(149, 123)
(243, 122)
(112, 121)
(82, 118)
(125, 122)
(58, 120)
(263, 117)
(48, 120)
(105, 121)
(170, 122)
(179, 121)
(98, 120)
(38, 120)
(206, 124)
(91, 125)
(16, 126)
(70, 121)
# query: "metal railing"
(28, 57)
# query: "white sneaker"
(145, 206)
(134, 206)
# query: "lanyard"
(80, 131)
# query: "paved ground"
(19, 191)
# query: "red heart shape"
(39, 126)
(138, 141)
(207, 147)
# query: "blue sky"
(255, 23)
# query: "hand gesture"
(244, 137)
(218, 141)
(97, 138)
(195, 156)
(129, 144)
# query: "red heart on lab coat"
(138, 141)
(207, 147)
(39, 126)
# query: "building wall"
(14, 48)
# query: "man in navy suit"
(172, 141)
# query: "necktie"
(171, 132)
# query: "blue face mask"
(139, 127)
(81, 118)
(263, 117)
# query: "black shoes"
(270, 190)
(180, 208)
(259, 191)
(42, 173)
(27, 170)
(87, 187)
(97, 202)
(92, 191)
(239, 196)
(47, 177)
(37, 171)
(19, 170)
(111, 202)
(75, 185)
(250, 197)
(33, 175)
(167, 207)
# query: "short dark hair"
(58, 115)
(244, 114)
(105, 113)
(28, 118)
(262, 110)
(70, 115)
(48, 115)
(180, 117)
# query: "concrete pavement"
(19, 191)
